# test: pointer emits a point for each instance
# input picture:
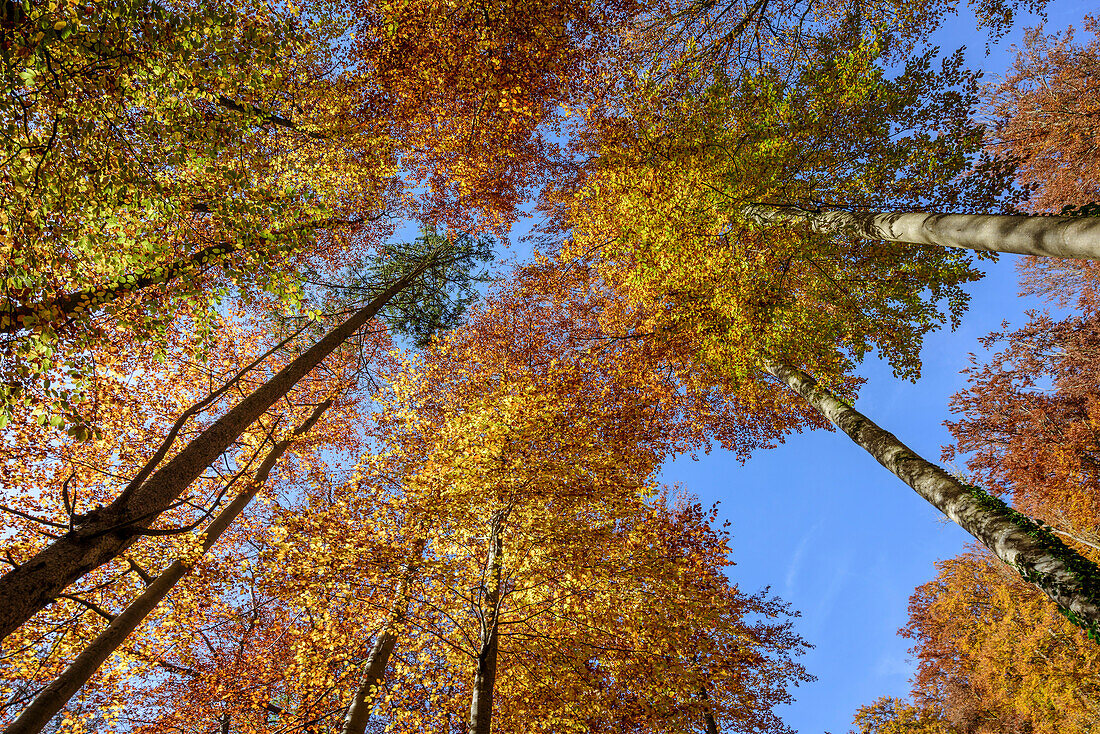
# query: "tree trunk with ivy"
(1068, 578)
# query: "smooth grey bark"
(58, 693)
(481, 699)
(1013, 544)
(1020, 234)
(109, 531)
(355, 722)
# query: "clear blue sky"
(827, 527)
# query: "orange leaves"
(1046, 111)
(995, 656)
(1038, 447)
(469, 85)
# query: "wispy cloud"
(892, 665)
(832, 592)
(796, 560)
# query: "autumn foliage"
(448, 514)
(610, 592)
(992, 657)
(1046, 111)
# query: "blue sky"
(830, 530)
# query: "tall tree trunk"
(107, 532)
(481, 699)
(58, 693)
(1069, 579)
(708, 716)
(1020, 234)
(36, 316)
(355, 722)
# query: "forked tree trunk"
(355, 722)
(1069, 579)
(481, 699)
(106, 533)
(1019, 234)
(36, 316)
(58, 693)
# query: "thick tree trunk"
(481, 699)
(1020, 234)
(106, 533)
(36, 316)
(58, 693)
(355, 722)
(1069, 579)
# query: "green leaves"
(439, 298)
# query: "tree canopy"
(279, 452)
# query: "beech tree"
(1069, 578)
(57, 694)
(55, 636)
(992, 656)
(660, 214)
(1044, 116)
(105, 533)
(267, 142)
(575, 537)
(85, 546)
(671, 191)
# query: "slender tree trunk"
(708, 716)
(1020, 234)
(58, 693)
(1076, 538)
(1069, 579)
(481, 700)
(107, 532)
(355, 722)
(36, 316)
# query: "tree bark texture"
(53, 697)
(107, 532)
(1069, 579)
(355, 722)
(481, 699)
(1019, 234)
